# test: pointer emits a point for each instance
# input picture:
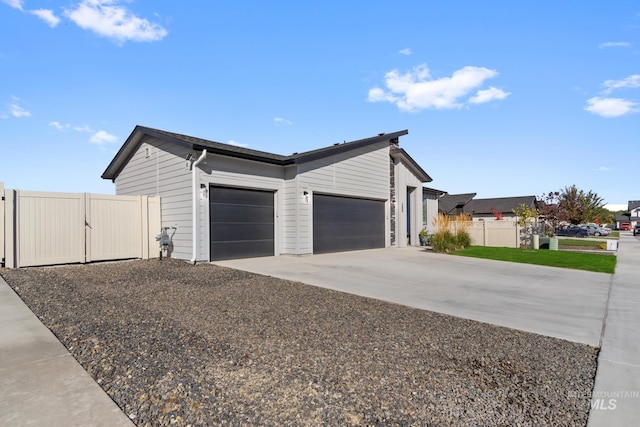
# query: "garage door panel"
(242, 196)
(241, 223)
(343, 223)
(236, 250)
(225, 212)
(344, 229)
(235, 231)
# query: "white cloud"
(47, 16)
(632, 81)
(604, 168)
(237, 144)
(416, 90)
(16, 109)
(488, 95)
(610, 107)
(84, 128)
(102, 137)
(59, 125)
(281, 120)
(614, 44)
(16, 4)
(107, 18)
(406, 51)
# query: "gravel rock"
(180, 345)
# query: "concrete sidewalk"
(41, 384)
(616, 396)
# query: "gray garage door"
(241, 223)
(346, 224)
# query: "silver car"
(595, 230)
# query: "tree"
(579, 207)
(525, 215)
(571, 205)
(548, 206)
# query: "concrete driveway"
(561, 303)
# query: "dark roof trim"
(346, 146)
(130, 145)
(400, 154)
(427, 190)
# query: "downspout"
(194, 184)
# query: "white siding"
(430, 212)
(405, 179)
(362, 172)
(163, 172)
(289, 212)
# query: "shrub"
(443, 241)
(463, 239)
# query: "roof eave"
(400, 154)
(125, 152)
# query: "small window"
(146, 153)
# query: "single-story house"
(222, 201)
(483, 209)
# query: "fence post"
(144, 226)
(87, 227)
(485, 233)
(10, 229)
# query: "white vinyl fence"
(503, 233)
(38, 228)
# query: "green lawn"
(563, 259)
(580, 242)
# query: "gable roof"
(500, 204)
(139, 132)
(633, 204)
(623, 217)
(449, 202)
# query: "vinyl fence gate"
(41, 228)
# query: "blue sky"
(500, 98)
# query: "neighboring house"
(453, 204)
(634, 212)
(231, 202)
(430, 202)
(481, 209)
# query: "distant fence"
(38, 228)
(503, 233)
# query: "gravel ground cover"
(177, 344)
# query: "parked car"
(625, 226)
(607, 229)
(573, 231)
(636, 229)
(595, 230)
